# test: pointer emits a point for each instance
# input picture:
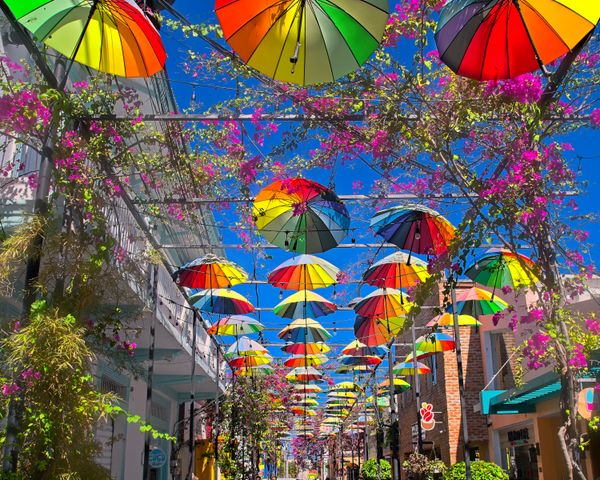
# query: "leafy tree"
(371, 471)
(479, 470)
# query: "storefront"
(520, 452)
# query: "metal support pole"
(149, 380)
(393, 418)
(417, 384)
(461, 387)
(192, 397)
(216, 425)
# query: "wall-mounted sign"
(518, 437)
(157, 458)
(588, 402)
(427, 417)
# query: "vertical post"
(149, 381)
(461, 386)
(193, 394)
(417, 384)
(393, 417)
(216, 425)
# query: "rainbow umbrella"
(352, 369)
(420, 355)
(235, 325)
(408, 368)
(304, 272)
(221, 301)
(307, 388)
(346, 387)
(399, 386)
(342, 394)
(305, 348)
(500, 268)
(305, 361)
(476, 301)
(259, 371)
(447, 320)
(414, 228)
(303, 41)
(332, 421)
(374, 331)
(498, 39)
(112, 36)
(244, 347)
(303, 304)
(249, 361)
(383, 303)
(397, 270)
(303, 411)
(435, 342)
(306, 402)
(359, 360)
(356, 347)
(304, 374)
(301, 216)
(209, 272)
(304, 330)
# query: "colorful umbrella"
(305, 348)
(447, 320)
(476, 301)
(245, 346)
(249, 361)
(383, 303)
(500, 268)
(435, 342)
(304, 374)
(359, 360)
(303, 41)
(399, 386)
(342, 394)
(420, 355)
(260, 371)
(414, 228)
(346, 387)
(306, 402)
(377, 331)
(112, 36)
(301, 216)
(304, 330)
(356, 347)
(235, 325)
(303, 411)
(221, 301)
(408, 368)
(305, 361)
(352, 369)
(304, 272)
(498, 39)
(303, 304)
(307, 388)
(209, 272)
(397, 270)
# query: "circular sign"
(157, 458)
(588, 402)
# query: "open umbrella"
(414, 228)
(304, 272)
(303, 411)
(420, 355)
(306, 402)
(408, 368)
(305, 361)
(305, 348)
(304, 374)
(221, 301)
(342, 394)
(209, 272)
(435, 342)
(356, 347)
(245, 346)
(447, 320)
(304, 330)
(498, 39)
(301, 216)
(399, 386)
(383, 303)
(374, 331)
(112, 36)
(397, 270)
(249, 361)
(307, 388)
(499, 268)
(346, 387)
(303, 41)
(304, 303)
(259, 371)
(235, 325)
(477, 301)
(352, 369)
(359, 360)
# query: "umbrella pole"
(393, 419)
(417, 383)
(216, 425)
(461, 386)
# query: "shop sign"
(427, 418)
(157, 458)
(588, 402)
(519, 437)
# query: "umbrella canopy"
(383, 303)
(304, 304)
(307, 388)
(259, 371)
(476, 302)
(346, 387)
(304, 330)
(408, 368)
(352, 369)
(303, 41)
(235, 325)
(221, 301)
(359, 360)
(342, 394)
(420, 355)
(304, 374)
(306, 402)
(301, 216)
(305, 348)
(209, 272)
(399, 385)
(356, 347)
(397, 270)
(414, 228)
(377, 331)
(249, 361)
(435, 342)
(305, 361)
(447, 320)
(304, 272)
(303, 411)
(112, 36)
(498, 39)
(244, 347)
(501, 268)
